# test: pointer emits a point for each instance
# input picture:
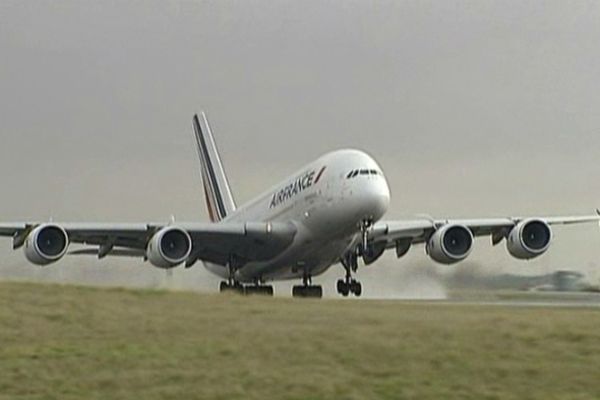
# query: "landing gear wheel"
(312, 291)
(315, 291)
(259, 290)
(340, 285)
(223, 286)
(343, 288)
(307, 289)
(348, 284)
(267, 291)
(356, 288)
(234, 287)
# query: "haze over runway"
(471, 109)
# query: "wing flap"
(113, 252)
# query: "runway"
(524, 299)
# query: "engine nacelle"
(46, 244)
(450, 244)
(169, 247)
(528, 239)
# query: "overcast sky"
(472, 109)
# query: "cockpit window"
(355, 172)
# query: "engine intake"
(46, 244)
(529, 239)
(450, 244)
(169, 247)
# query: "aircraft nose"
(380, 200)
(373, 202)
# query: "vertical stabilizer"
(219, 200)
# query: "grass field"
(67, 342)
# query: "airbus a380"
(328, 212)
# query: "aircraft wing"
(419, 230)
(210, 242)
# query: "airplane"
(328, 212)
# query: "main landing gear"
(233, 286)
(238, 288)
(349, 285)
(307, 289)
(350, 263)
(261, 290)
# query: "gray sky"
(472, 108)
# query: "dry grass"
(66, 342)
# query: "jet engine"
(169, 247)
(528, 239)
(46, 244)
(450, 244)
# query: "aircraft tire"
(268, 290)
(259, 290)
(298, 291)
(356, 288)
(343, 288)
(340, 286)
(315, 292)
(225, 287)
(307, 291)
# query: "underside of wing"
(163, 245)
(449, 241)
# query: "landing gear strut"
(365, 226)
(348, 284)
(233, 286)
(307, 289)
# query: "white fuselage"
(325, 204)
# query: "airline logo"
(299, 185)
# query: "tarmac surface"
(525, 299)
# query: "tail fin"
(219, 200)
